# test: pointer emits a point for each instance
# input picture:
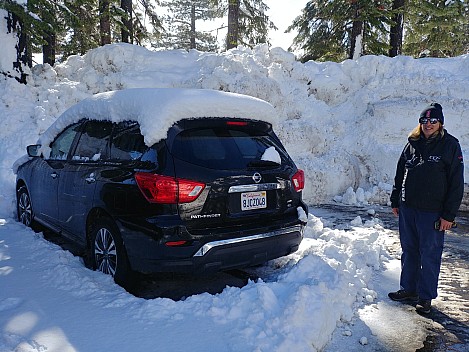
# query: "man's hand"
(395, 211)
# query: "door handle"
(90, 178)
(54, 175)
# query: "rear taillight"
(298, 180)
(236, 123)
(168, 190)
(175, 243)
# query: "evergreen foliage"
(181, 21)
(67, 27)
(147, 33)
(29, 16)
(82, 32)
(329, 29)
(14, 26)
(253, 24)
(437, 28)
(325, 28)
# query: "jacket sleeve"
(398, 179)
(455, 179)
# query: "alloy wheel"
(105, 252)
(24, 209)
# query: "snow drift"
(344, 123)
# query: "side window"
(94, 141)
(127, 142)
(60, 147)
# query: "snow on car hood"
(157, 109)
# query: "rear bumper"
(219, 255)
(206, 248)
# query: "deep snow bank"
(50, 301)
(344, 123)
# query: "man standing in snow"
(428, 190)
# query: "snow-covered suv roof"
(157, 109)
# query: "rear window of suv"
(223, 148)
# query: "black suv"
(216, 193)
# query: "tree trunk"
(396, 30)
(356, 46)
(192, 45)
(48, 50)
(233, 24)
(104, 22)
(127, 30)
(23, 54)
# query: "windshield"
(224, 148)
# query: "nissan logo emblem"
(257, 177)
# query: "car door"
(46, 176)
(78, 183)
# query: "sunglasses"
(424, 120)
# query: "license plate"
(253, 200)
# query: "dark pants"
(422, 247)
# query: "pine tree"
(182, 24)
(137, 23)
(60, 28)
(105, 21)
(336, 30)
(322, 32)
(248, 23)
(356, 37)
(377, 18)
(233, 24)
(87, 29)
(397, 27)
(437, 28)
(81, 32)
(144, 33)
(47, 30)
(50, 34)
(15, 27)
(39, 23)
(127, 25)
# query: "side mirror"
(33, 150)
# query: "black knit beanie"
(433, 110)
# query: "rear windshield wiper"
(262, 163)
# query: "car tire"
(24, 208)
(107, 253)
